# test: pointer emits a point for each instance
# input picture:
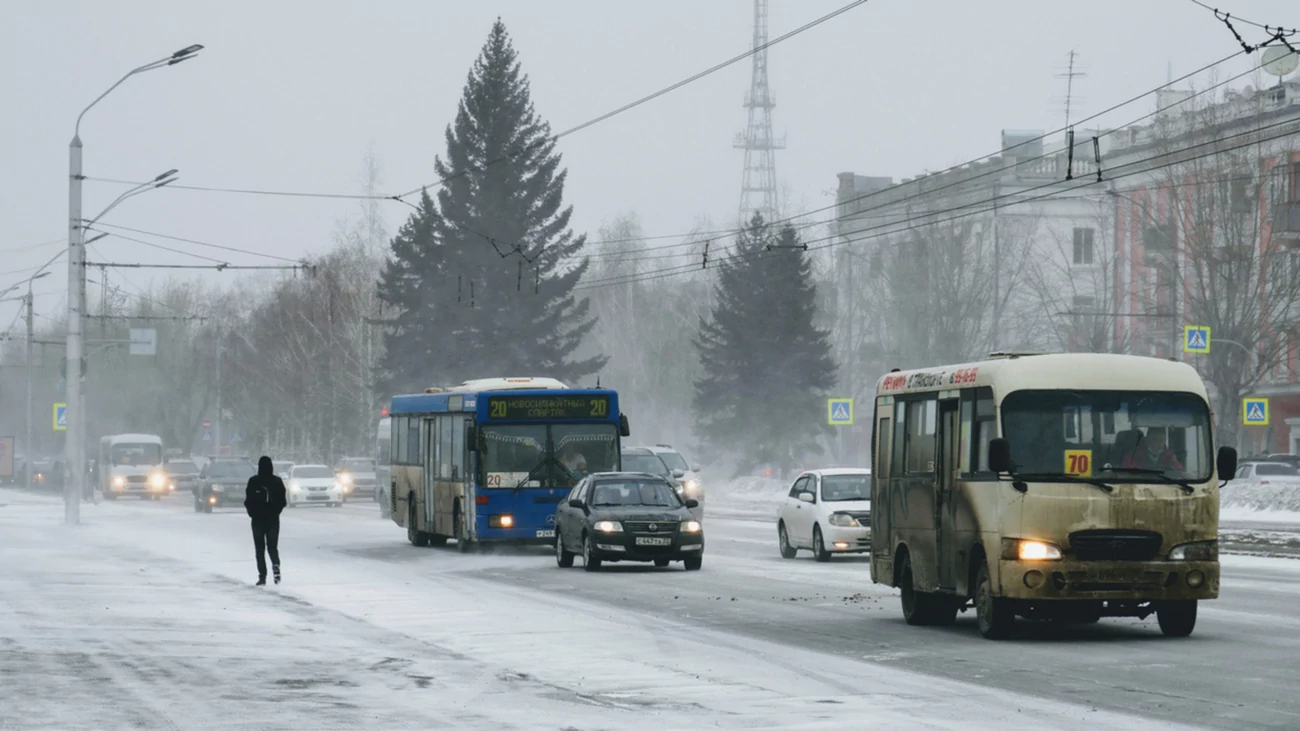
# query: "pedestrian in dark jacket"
(264, 499)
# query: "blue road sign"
(207, 435)
(238, 436)
(1196, 339)
(839, 411)
(1254, 411)
(60, 417)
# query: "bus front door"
(944, 504)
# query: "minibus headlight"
(1026, 550)
(1198, 551)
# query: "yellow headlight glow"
(691, 526)
(1038, 551)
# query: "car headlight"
(345, 478)
(1016, 549)
(691, 526)
(503, 521)
(158, 480)
(1198, 551)
(692, 484)
(119, 481)
(295, 486)
(608, 526)
(844, 520)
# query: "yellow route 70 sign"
(1078, 462)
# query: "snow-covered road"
(145, 617)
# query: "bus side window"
(919, 449)
(964, 447)
(900, 436)
(413, 440)
(444, 447)
(457, 447)
(984, 428)
(883, 436)
(399, 440)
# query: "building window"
(1083, 253)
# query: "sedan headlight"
(608, 526)
(1198, 551)
(844, 520)
(691, 526)
(1029, 550)
(217, 488)
(295, 486)
(119, 481)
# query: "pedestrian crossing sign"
(60, 417)
(1196, 339)
(1254, 411)
(839, 411)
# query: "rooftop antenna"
(1280, 61)
(1070, 75)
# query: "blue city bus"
(488, 461)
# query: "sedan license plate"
(545, 534)
(652, 541)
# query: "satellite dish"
(1280, 61)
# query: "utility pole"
(27, 441)
(73, 448)
(216, 423)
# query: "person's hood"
(264, 467)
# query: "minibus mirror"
(624, 429)
(1000, 455)
(1227, 463)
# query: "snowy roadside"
(758, 499)
(146, 619)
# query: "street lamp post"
(74, 445)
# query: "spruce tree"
(767, 367)
(487, 276)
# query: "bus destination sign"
(541, 408)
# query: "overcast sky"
(291, 95)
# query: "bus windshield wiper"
(545, 461)
(1064, 477)
(1187, 486)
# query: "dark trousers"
(266, 539)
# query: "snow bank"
(754, 498)
(1262, 498)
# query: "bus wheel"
(1177, 618)
(916, 604)
(994, 615)
(418, 538)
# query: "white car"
(1265, 473)
(313, 484)
(827, 511)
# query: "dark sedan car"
(221, 484)
(627, 516)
